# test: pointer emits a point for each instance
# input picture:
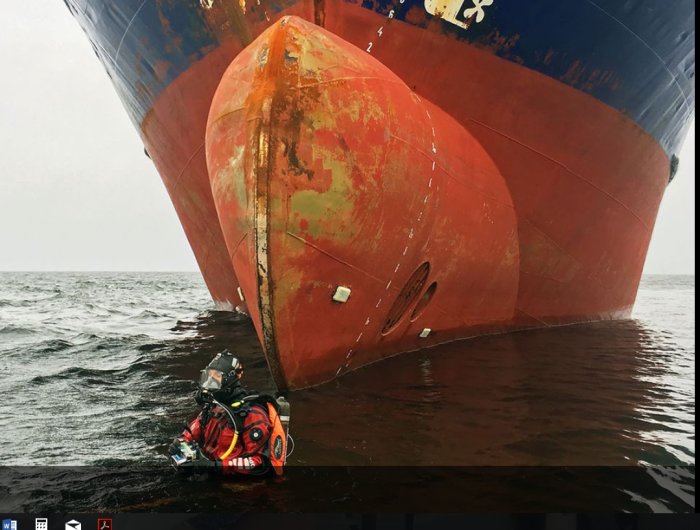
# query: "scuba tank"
(279, 416)
(284, 408)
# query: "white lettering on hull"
(458, 12)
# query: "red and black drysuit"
(214, 432)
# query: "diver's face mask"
(220, 379)
(211, 379)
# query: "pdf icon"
(104, 524)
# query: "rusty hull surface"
(327, 171)
(522, 162)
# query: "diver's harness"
(275, 408)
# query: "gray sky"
(77, 192)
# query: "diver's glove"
(174, 448)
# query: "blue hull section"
(636, 56)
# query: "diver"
(236, 432)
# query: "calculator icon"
(41, 523)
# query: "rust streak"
(225, 114)
(235, 249)
(320, 12)
(350, 78)
(189, 161)
(334, 257)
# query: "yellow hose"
(230, 447)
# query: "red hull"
(327, 171)
(579, 201)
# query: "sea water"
(98, 372)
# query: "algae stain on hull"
(327, 214)
(230, 181)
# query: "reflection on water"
(598, 394)
(100, 369)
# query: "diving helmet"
(222, 375)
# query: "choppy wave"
(17, 330)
